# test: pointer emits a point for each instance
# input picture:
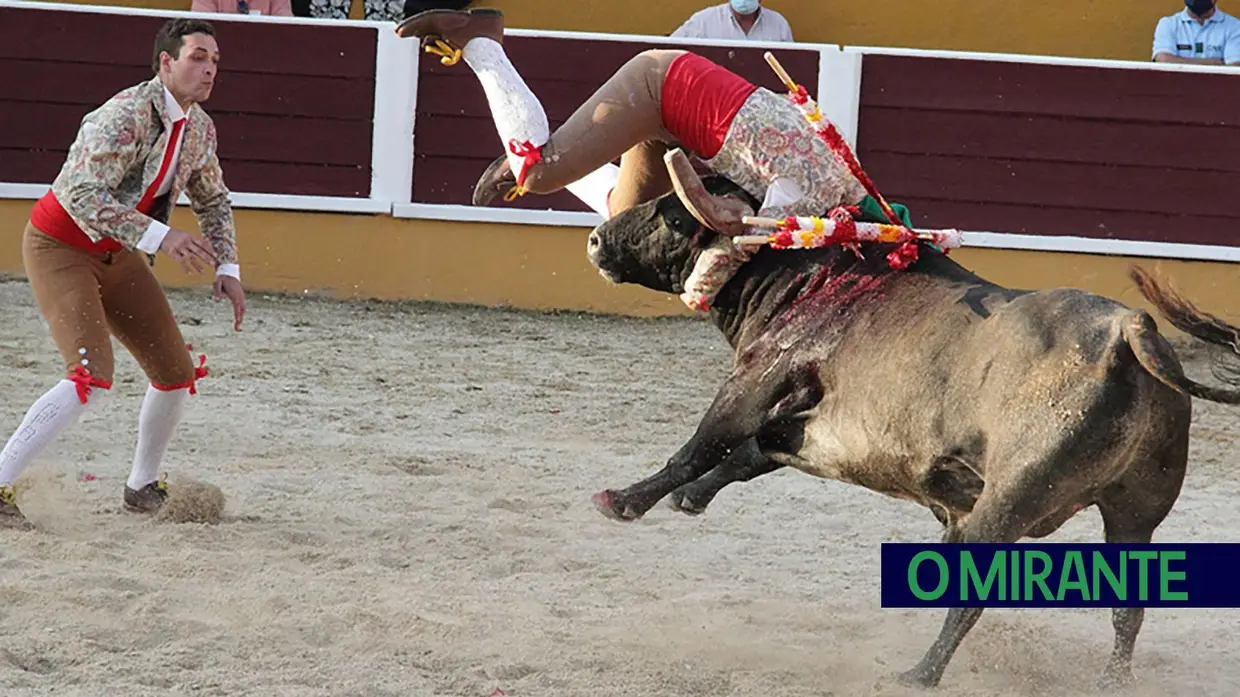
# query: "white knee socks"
(594, 188)
(520, 117)
(160, 414)
(60, 407)
(517, 113)
(46, 419)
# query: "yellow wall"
(362, 256)
(536, 267)
(1080, 28)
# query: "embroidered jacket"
(770, 141)
(117, 155)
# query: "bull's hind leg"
(1132, 510)
(744, 464)
(1002, 514)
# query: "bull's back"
(936, 367)
(1049, 364)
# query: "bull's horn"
(719, 213)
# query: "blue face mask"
(745, 7)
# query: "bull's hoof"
(607, 504)
(678, 501)
(918, 677)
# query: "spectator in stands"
(375, 10)
(397, 11)
(322, 9)
(737, 19)
(1202, 34)
(275, 8)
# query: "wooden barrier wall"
(1053, 150)
(287, 124)
(1109, 158)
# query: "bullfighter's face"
(190, 76)
(655, 244)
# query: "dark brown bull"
(1005, 412)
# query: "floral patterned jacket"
(117, 155)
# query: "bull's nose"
(593, 244)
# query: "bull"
(1003, 411)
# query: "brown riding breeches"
(87, 297)
(622, 119)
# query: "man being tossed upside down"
(658, 100)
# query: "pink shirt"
(278, 8)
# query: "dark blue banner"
(1058, 574)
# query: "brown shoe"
(148, 499)
(496, 180)
(11, 517)
(456, 27)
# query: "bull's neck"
(758, 293)
(775, 283)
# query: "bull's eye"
(680, 224)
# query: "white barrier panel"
(838, 91)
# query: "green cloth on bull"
(871, 212)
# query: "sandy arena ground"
(408, 514)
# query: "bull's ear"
(722, 214)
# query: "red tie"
(148, 199)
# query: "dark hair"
(171, 36)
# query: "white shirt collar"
(736, 22)
(175, 112)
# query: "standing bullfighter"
(658, 99)
(86, 248)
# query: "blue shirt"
(1181, 35)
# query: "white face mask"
(745, 7)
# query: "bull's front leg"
(745, 464)
(747, 402)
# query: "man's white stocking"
(595, 188)
(158, 419)
(519, 116)
(46, 419)
(522, 122)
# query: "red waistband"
(699, 100)
(51, 218)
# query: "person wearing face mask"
(736, 19)
(1201, 34)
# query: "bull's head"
(655, 244)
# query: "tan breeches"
(88, 297)
(622, 119)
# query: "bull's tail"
(1153, 351)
